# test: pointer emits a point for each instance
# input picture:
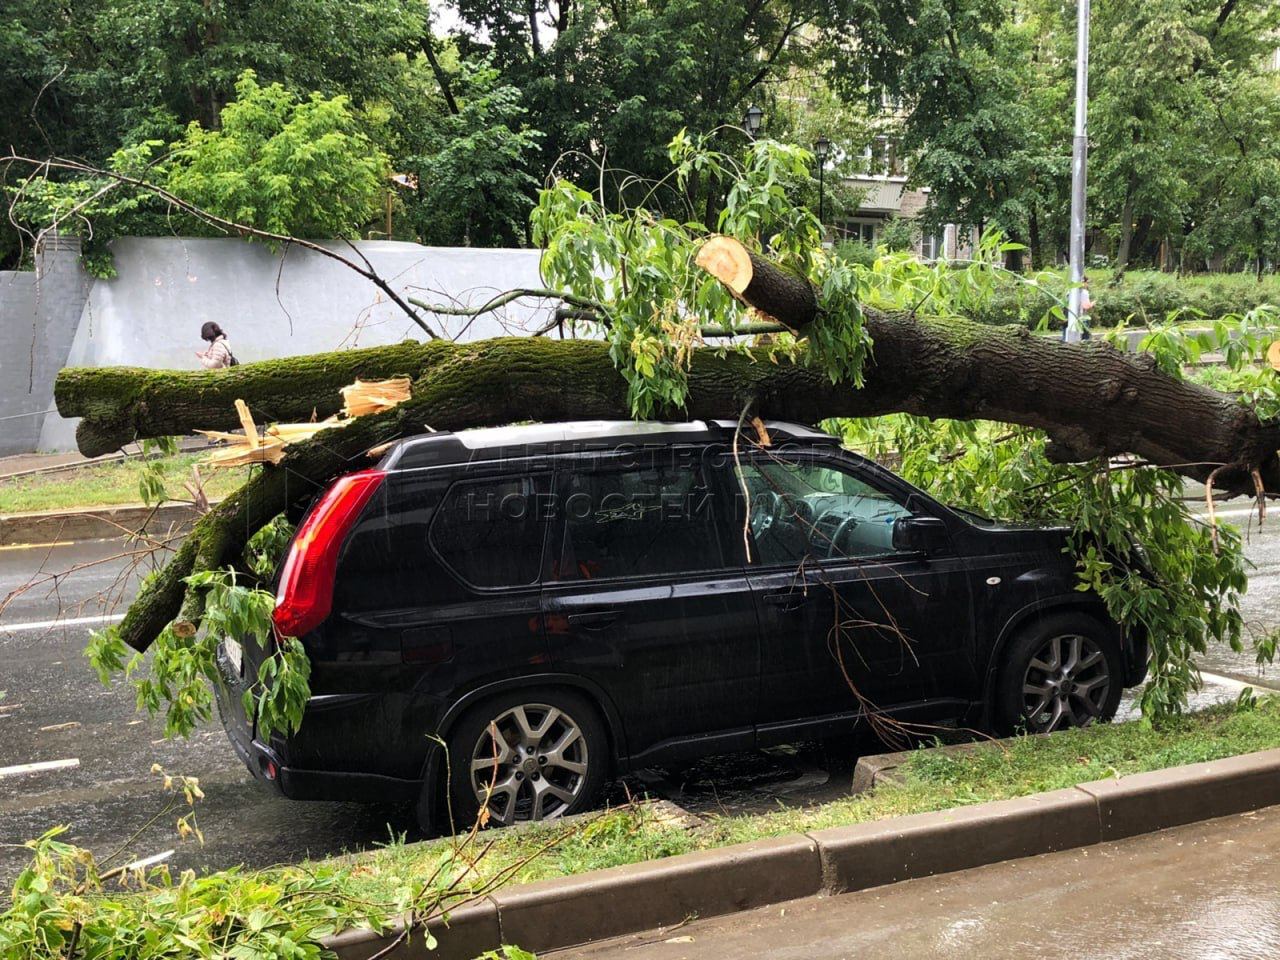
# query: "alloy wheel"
(1066, 684)
(530, 763)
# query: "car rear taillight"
(305, 596)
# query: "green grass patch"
(931, 781)
(286, 910)
(106, 484)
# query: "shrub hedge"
(1140, 298)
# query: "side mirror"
(919, 534)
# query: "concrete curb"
(93, 523)
(568, 911)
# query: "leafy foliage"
(183, 670)
(1159, 569)
(62, 907)
(299, 168)
(638, 266)
(475, 165)
(69, 903)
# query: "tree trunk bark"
(1091, 400)
(1034, 239)
(1126, 235)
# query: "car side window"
(806, 510)
(490, 532)
(636, 522)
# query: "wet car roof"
(535, 439)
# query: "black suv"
(515, 615)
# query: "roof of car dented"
(434, 449)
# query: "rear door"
(645, 595)
(848, 623)
(437, 594)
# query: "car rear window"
(640, 522)
(490, 532)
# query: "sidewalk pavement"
(1205, 890)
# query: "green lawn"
(931, 781)
(103, 484)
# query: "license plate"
(235, 655)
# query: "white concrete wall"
(274, 305)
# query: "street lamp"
(821, 150)
(751, 121)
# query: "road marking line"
(148, 861)
(40, 546)
(1227, 514)
(38, 767)
(51, 624)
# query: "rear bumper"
(269, 766)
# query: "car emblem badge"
(993, 581)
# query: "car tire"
(1062, 671)
(552, 752)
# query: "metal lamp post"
(1079, 154)
(751, 120)
(821, 149)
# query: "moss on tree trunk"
(1091, 399)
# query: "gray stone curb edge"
(567, 911)
(93, 523)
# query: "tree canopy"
(974, 96)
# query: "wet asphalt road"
(54, 709)
(1206, 891)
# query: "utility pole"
(1079, 157)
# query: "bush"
(855, 251)
(1139, 299)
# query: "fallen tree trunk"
(1091, 399)
(123, 404)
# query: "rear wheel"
(1064, 671)
(527, 755)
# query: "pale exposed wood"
(1273, 355)
(246, 421)
(374, 396)
(728, 261)
(762, 432)
(267, 450)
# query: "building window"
(880, 158)
(930, 246)
(859, 230)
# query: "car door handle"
(791, 600)
(594, 620)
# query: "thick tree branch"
(1091, 399)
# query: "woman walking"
(218, 354)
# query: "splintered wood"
(362, 397)
(251, 447)
(374, 396)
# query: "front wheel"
(527, 755)
(1064, 671)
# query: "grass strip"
(108, 484)
(931, 780)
